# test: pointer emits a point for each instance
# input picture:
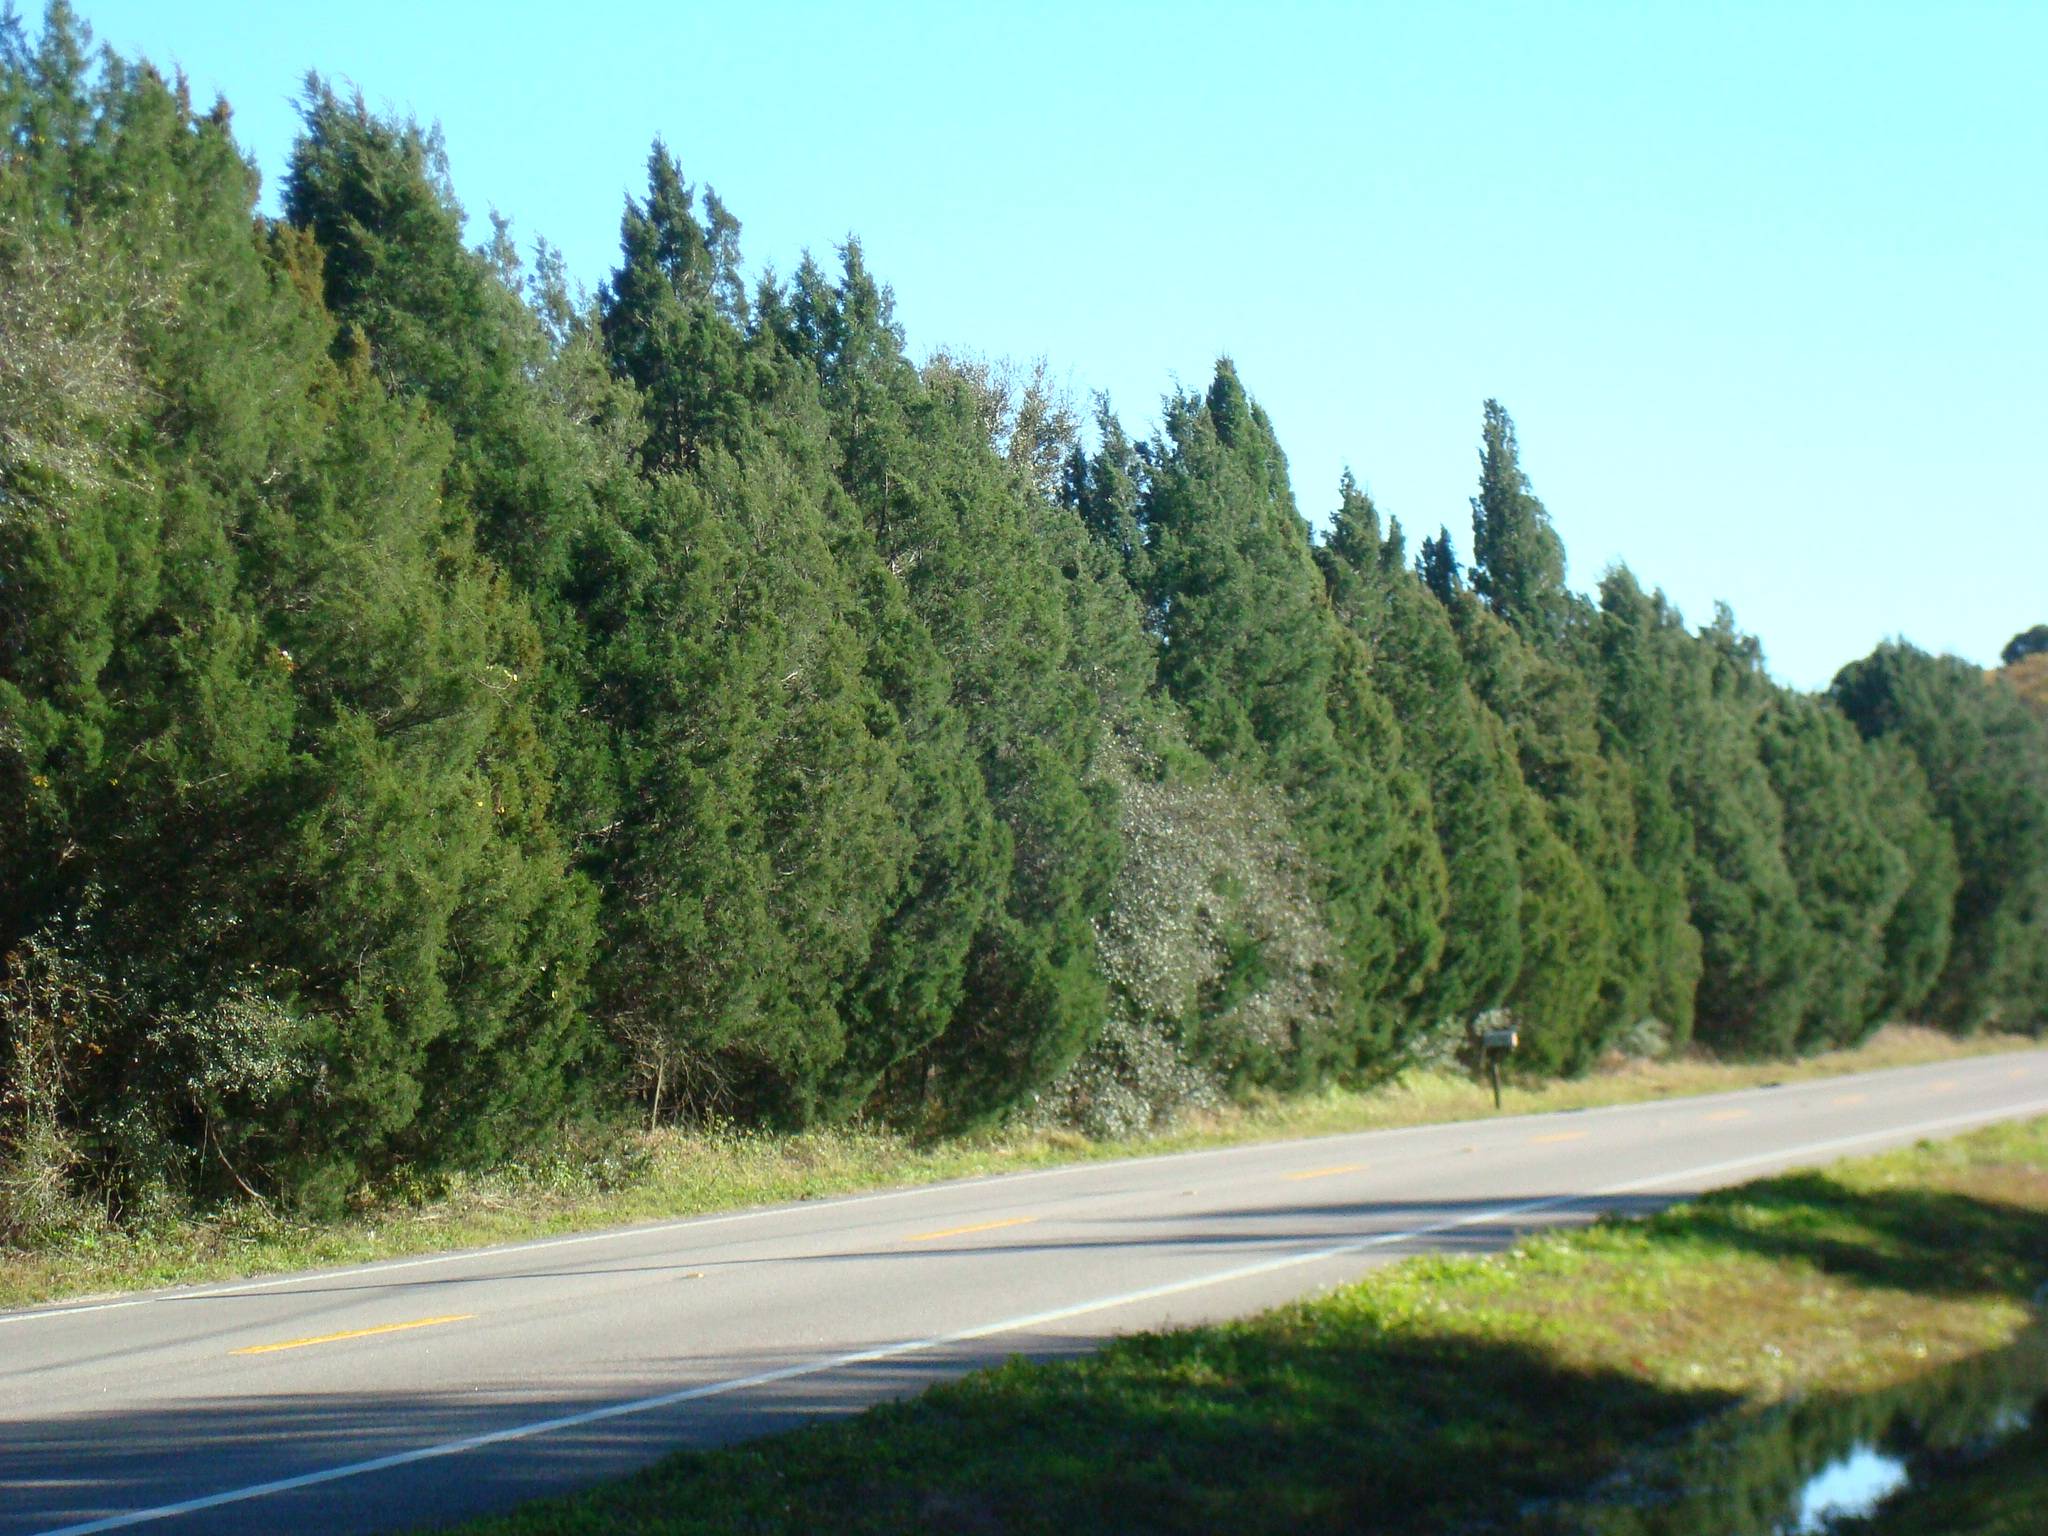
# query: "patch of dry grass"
(626, 1178)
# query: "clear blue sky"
(1765, 286)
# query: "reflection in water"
(1797, 1469)
(1854, 1484)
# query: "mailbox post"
(1493, 1045)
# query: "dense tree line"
(434, 705)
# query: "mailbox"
(1494, 1044)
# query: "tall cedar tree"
(1535, 662)
(766, 846)
(1458, 752)
(987, 563)
(1274, 686)
(1630, 644)
(1850, 875)
(265, 698)
(1921, 927)
(1517, 557)
(1539, 712)
(1755, 935)
(1986, 762)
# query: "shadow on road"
(1361, 1430)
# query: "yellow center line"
(1538, 1141)
(983, 1226)
(1729, 1114)
(1324, 1173)
(1844, 1100)
(354, 1333)
(2017, 1072)
(1946, 1085)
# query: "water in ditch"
(1820, 1465)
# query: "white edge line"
(661, 1228)
(1015, 1324)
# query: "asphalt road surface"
(420, 1390)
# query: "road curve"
(420, 1390)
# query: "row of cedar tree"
(432, 707)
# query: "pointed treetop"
(1394, 549)
(1355, 525)
(1517, 557)
(699, 259)
(1437, 565)
(1229, 408)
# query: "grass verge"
(622, 1179)
(1438, 1395)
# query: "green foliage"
(1273, 686)
(1022, 640)
(1850, 875)
(1595, 747)
(2028, 642)
(1918, 933)
(260, 702)
(55, 1017)
(1437, 566)
(1517, 557)
(1630, 648)
(1452, 744)
(434, 706)
(1755, 936)
(1985, 758)
(1567, 818)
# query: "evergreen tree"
(286, 786)
(983, 558)
(1437, 565)
(1918, 933)
(433, 704)
(1106, 488)
(1544, 720)
(1755, 937)
(1541, 678)
(1633, 644)
(532, 466)
(769, 837)
(2028, 642)
(672, 317)
(752, 832)
(1849, 874)
(1272, 686)
(1986, 763)
(1518, 559)
(1450, 745)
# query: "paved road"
(425, 1389)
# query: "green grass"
(1438, 1394)
(640, 1177)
